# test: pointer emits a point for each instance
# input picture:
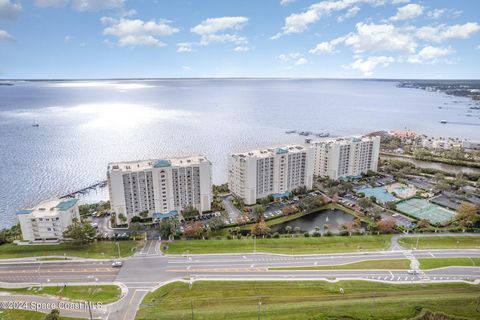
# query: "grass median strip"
(387, 264)
(441, 242)
(101, 293)
(96, 250)
(9, 314)
(299, 245)
(433, 263)
(294, 300)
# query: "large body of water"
(85, 125)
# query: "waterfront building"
(345, 157)
(160, 187)
(260, 173)
(48, 220)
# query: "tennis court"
(379, 193)
(424, 209)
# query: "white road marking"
(391, 273)
(431, 254)
(251, 266)
(188, 268)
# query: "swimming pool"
(379, 193)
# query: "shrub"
(306, 234)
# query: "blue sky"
(239, 38)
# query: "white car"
(412, 272)
(117, 264)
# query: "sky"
(80, 39)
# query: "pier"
(99, 184)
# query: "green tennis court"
(424, 209)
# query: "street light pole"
(259, 309)
(118, 247)
(254, 244)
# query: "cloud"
(5, 36)
(443, 32)
(286, 2)
(367, 66)
(410, 11)
(186, 68)
(213, 30)
(241, 49)
(67, 39)
(435, 13)
(295, 58)
(352, 12)
(322, 47)
(136, 32)
(9, 10)
(379, 37)
(184, 47)
(430, 55)
(400, 1)
(299, 22)
(81, 5)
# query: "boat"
(36, 125)
(290, 131)
(443, 121)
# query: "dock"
(98, 184)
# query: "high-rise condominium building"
(48, 220)
(259, 173)
(346, 157)
(160, 186)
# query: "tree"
(335, 198)
(423, 223)
(365, 203)
(260, 228)
(297, 229)
(288, 229)
(216, 223)
(386, 225)
(168, 227)
(258, 211)
(189, 212)
(194, 229)
(122, 218)
(136, 226)
(288, 210)
(467, 214)
(53, 315)
(143, 214)
(80, 232)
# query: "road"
(149, 269)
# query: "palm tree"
(297, 229)
(288, 229)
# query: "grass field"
(388, 264)
(440, 242)
(25, 315)
(300, 245)
(102, 293)
(433, 263)
(294, 300)
(93, 250)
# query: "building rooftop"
(139, 165)
(345, 140)
(269, 152)
(50, 207)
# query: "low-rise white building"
(259, 173)
(160, 186)
(48, 220)
(346, 157)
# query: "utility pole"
(418, 238)
(118, 247)
(259, 309)
(191, 308)
(254, 244)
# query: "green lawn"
(388, 264)
(294, 300)
(432, 263)
(101, 293)
(441, 242)
(93, 250)
(11, 314)
(300, 245)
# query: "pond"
(334, 218)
